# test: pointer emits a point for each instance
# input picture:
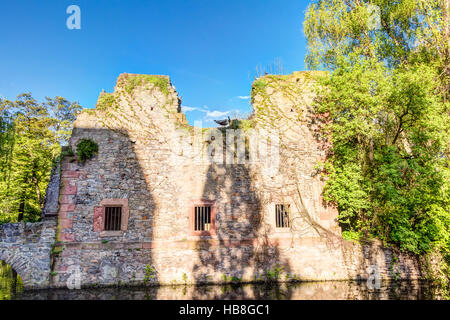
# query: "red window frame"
(99, 214)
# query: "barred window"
(202, 218)
(113, 218)
(282, 215)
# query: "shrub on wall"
(86, 149)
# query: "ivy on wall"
(86, 149)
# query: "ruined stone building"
(165, 202)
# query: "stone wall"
(26, 248)
(196, 262)
(51, 201)
(147, 163)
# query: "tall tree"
(38, 129)
(387, 94)
(63, 113)
(6, 147)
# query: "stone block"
(69, 190)
(67, 207)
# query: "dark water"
(11, 288)
(329, 290)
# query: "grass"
(135, 81)
(105, 101)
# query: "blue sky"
(209, 48)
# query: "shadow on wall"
(243, 249)
(112, 175)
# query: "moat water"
(12, 289)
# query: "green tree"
(6, 139)
(6, 147)
(63, 113)
(35, 132)
(387, 95)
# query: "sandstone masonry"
(26, 247)
(266, 217)
(141, 167)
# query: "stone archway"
(26, 247)
(13, 261)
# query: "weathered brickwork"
(26, 247)
(145, 158)
(148, 165)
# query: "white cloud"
(216, 114)
(209, 115)
(243, 97)
(188, 109)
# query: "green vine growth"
(86, 149)
(134, 81)
(150, 273)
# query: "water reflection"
(11, 285)
(329, 290)
(11, 288)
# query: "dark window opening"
(113, 218)
(202, 218)
(282, 215)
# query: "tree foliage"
(31, 133)
(387, 94)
